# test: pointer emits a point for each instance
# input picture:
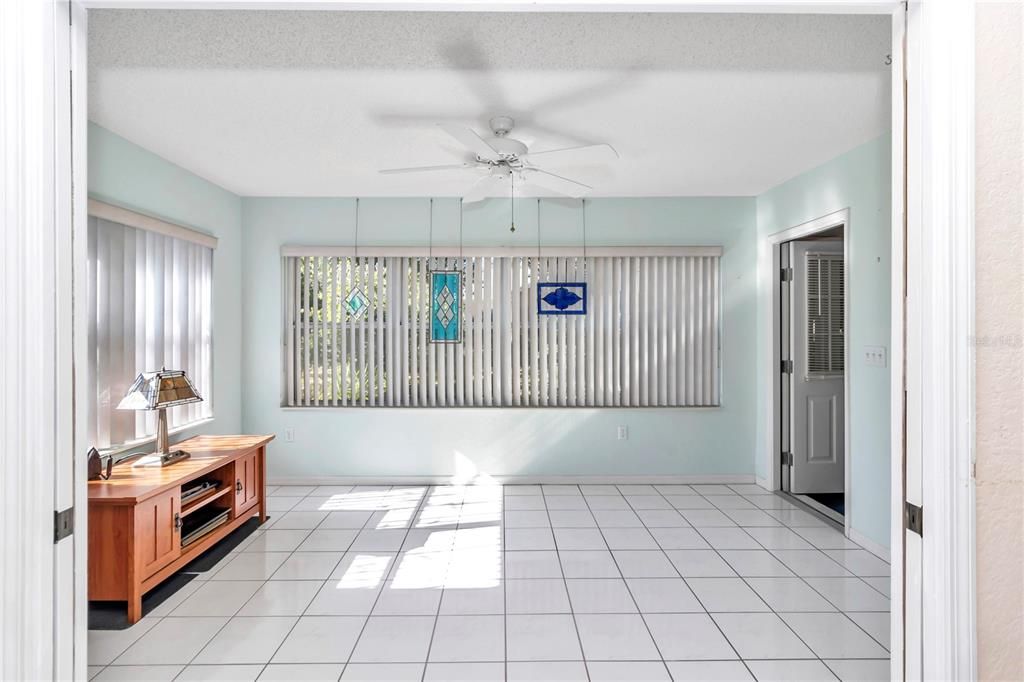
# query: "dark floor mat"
(834, 501)
(113, 615)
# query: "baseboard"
(511, 480)
(870, 545)
(764, 483)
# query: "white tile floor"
(552, 582)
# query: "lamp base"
(162, 459)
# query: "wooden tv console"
(136, 517)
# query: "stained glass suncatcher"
(445, 306)
(562, 298)
(356, 303)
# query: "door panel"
(816, 384)
(156, 531)
(246, 480)
(823, 425)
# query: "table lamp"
(158, 391)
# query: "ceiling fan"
(501, 158)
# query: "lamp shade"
(157, 390)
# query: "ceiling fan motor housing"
(506, 146)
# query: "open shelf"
(206, 499)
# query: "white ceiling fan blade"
(470, 140)
(422, 169)
(587, 155)
(483, 188)
(556, 183)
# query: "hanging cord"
(355, 243)
(512, 177)
(538, 228)
(462, 262)
(584, 211)
(430, 237)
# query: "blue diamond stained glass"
(445, 304)
(356, 303)
(562, 298)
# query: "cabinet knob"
(177, 521)
(238, 487)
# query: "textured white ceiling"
(313, 103)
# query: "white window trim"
(141, 221)
(568, 388)
(292, 250)
(144, 443)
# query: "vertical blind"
(651, 335)
(150, 298)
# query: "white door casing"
(39, 584)
(816, 339)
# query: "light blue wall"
(127, 175)
(522, 441)
(858, 180)
(518, 441)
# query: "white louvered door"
(651, 336)
(817, 329)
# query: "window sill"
(148, 441)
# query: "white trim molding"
(870, 545)
(37, 577)
(769, 265)
(290, 250)
(939, 331)
(454, 479)
(141, 221)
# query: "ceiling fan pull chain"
(512, 179)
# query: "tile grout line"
(743, 578)
(323, 584)
(504, 574)
(565, 585)
(804, 580)
(779, 614)
(558, 552)
(687, 583)
(624, 580)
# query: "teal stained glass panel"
(446, 306)
(356, 303)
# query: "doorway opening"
(811, 322)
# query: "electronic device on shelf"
(197, 489)
(201, 522)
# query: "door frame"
(771, 253)
(935, 184)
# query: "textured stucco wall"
(1000, 340)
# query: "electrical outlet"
(289, 435)
(875, 356)
(623, 433)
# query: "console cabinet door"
(247, 481)
(157, 531)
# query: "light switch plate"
(875, 356)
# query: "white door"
(816, 346)
(39, 579)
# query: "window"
(650, 336)
(825, 310)
(150, 294)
